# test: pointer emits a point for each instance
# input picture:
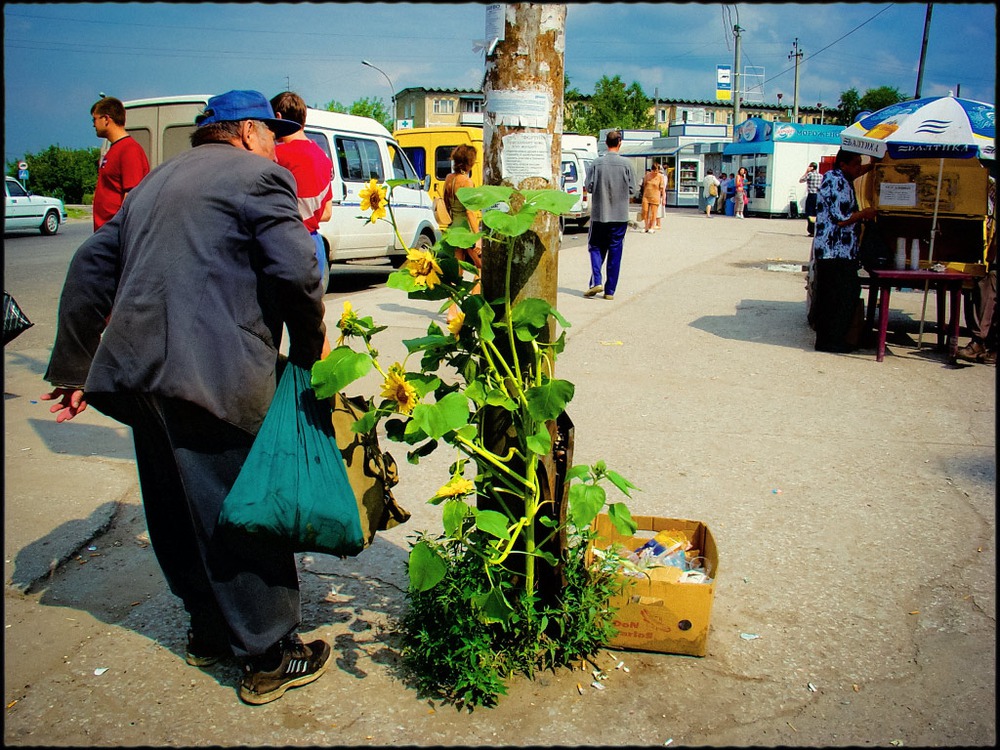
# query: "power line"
(786, 70)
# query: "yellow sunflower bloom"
(455, 322)
(423, 267)
(348, 324)
(397, 389)
(456, 487)
(373, 199)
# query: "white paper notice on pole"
(526, 155)
(496, 15)
(526, 109)
(897, 194)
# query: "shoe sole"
(259, 699)
(201, 661)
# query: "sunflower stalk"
(488, 360)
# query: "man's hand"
(70, 402)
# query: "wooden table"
(880, 289)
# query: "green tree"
(574, 109)
(883, 96)
(614, 105)
(848, 106)
(69, 174)
(373, 107)
(873, 100)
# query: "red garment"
(122, 168)
(312, 170)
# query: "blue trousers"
(324, 262)
(605, 244)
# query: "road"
(853, 504)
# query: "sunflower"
(373, 198)
(456, 319)
(456, 487)
(348, 324)
(397, 389)
(423, 267)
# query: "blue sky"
(59, 57)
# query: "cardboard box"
(658, 613)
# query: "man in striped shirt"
(812, 178)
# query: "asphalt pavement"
(852, 501)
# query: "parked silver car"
(26, 211)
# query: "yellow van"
(429, 150)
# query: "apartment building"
(426, 107)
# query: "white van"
(573, 181)
(578, 153)
(359, 147)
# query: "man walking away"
(812, 178)
(610, 182)
(122, 166)
(204, 265)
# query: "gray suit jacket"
(205, 261)
(610, 182)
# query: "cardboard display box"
(657, 613)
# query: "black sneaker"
(201, 653)
(293, 664)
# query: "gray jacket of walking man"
(610, 182)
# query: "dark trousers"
(188, 460)
(838, 290)
(605, 243)
(811, 213)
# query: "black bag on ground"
(15, 322)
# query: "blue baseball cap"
(237, 105)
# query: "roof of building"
(664, 101)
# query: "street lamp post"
(392, 89)
(820, 105)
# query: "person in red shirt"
(122, 166)
(312, 170)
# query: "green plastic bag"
(293, 492)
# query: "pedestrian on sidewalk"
(835, 251)
(985, 291)
(720, 200)
(709, 192)
(812, 178)
(610, 182)
(311, 168)
(652, 196)
(122, 166)
(204, 265)
(741, 184)
(661, 211)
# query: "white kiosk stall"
(776, 155)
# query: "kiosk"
(775, 155)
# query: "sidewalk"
(853, 504)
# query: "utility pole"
(797, 54)
(523, 118)
(736, 82)
(524, 104)
(923, 50)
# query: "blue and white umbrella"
(940, 127)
